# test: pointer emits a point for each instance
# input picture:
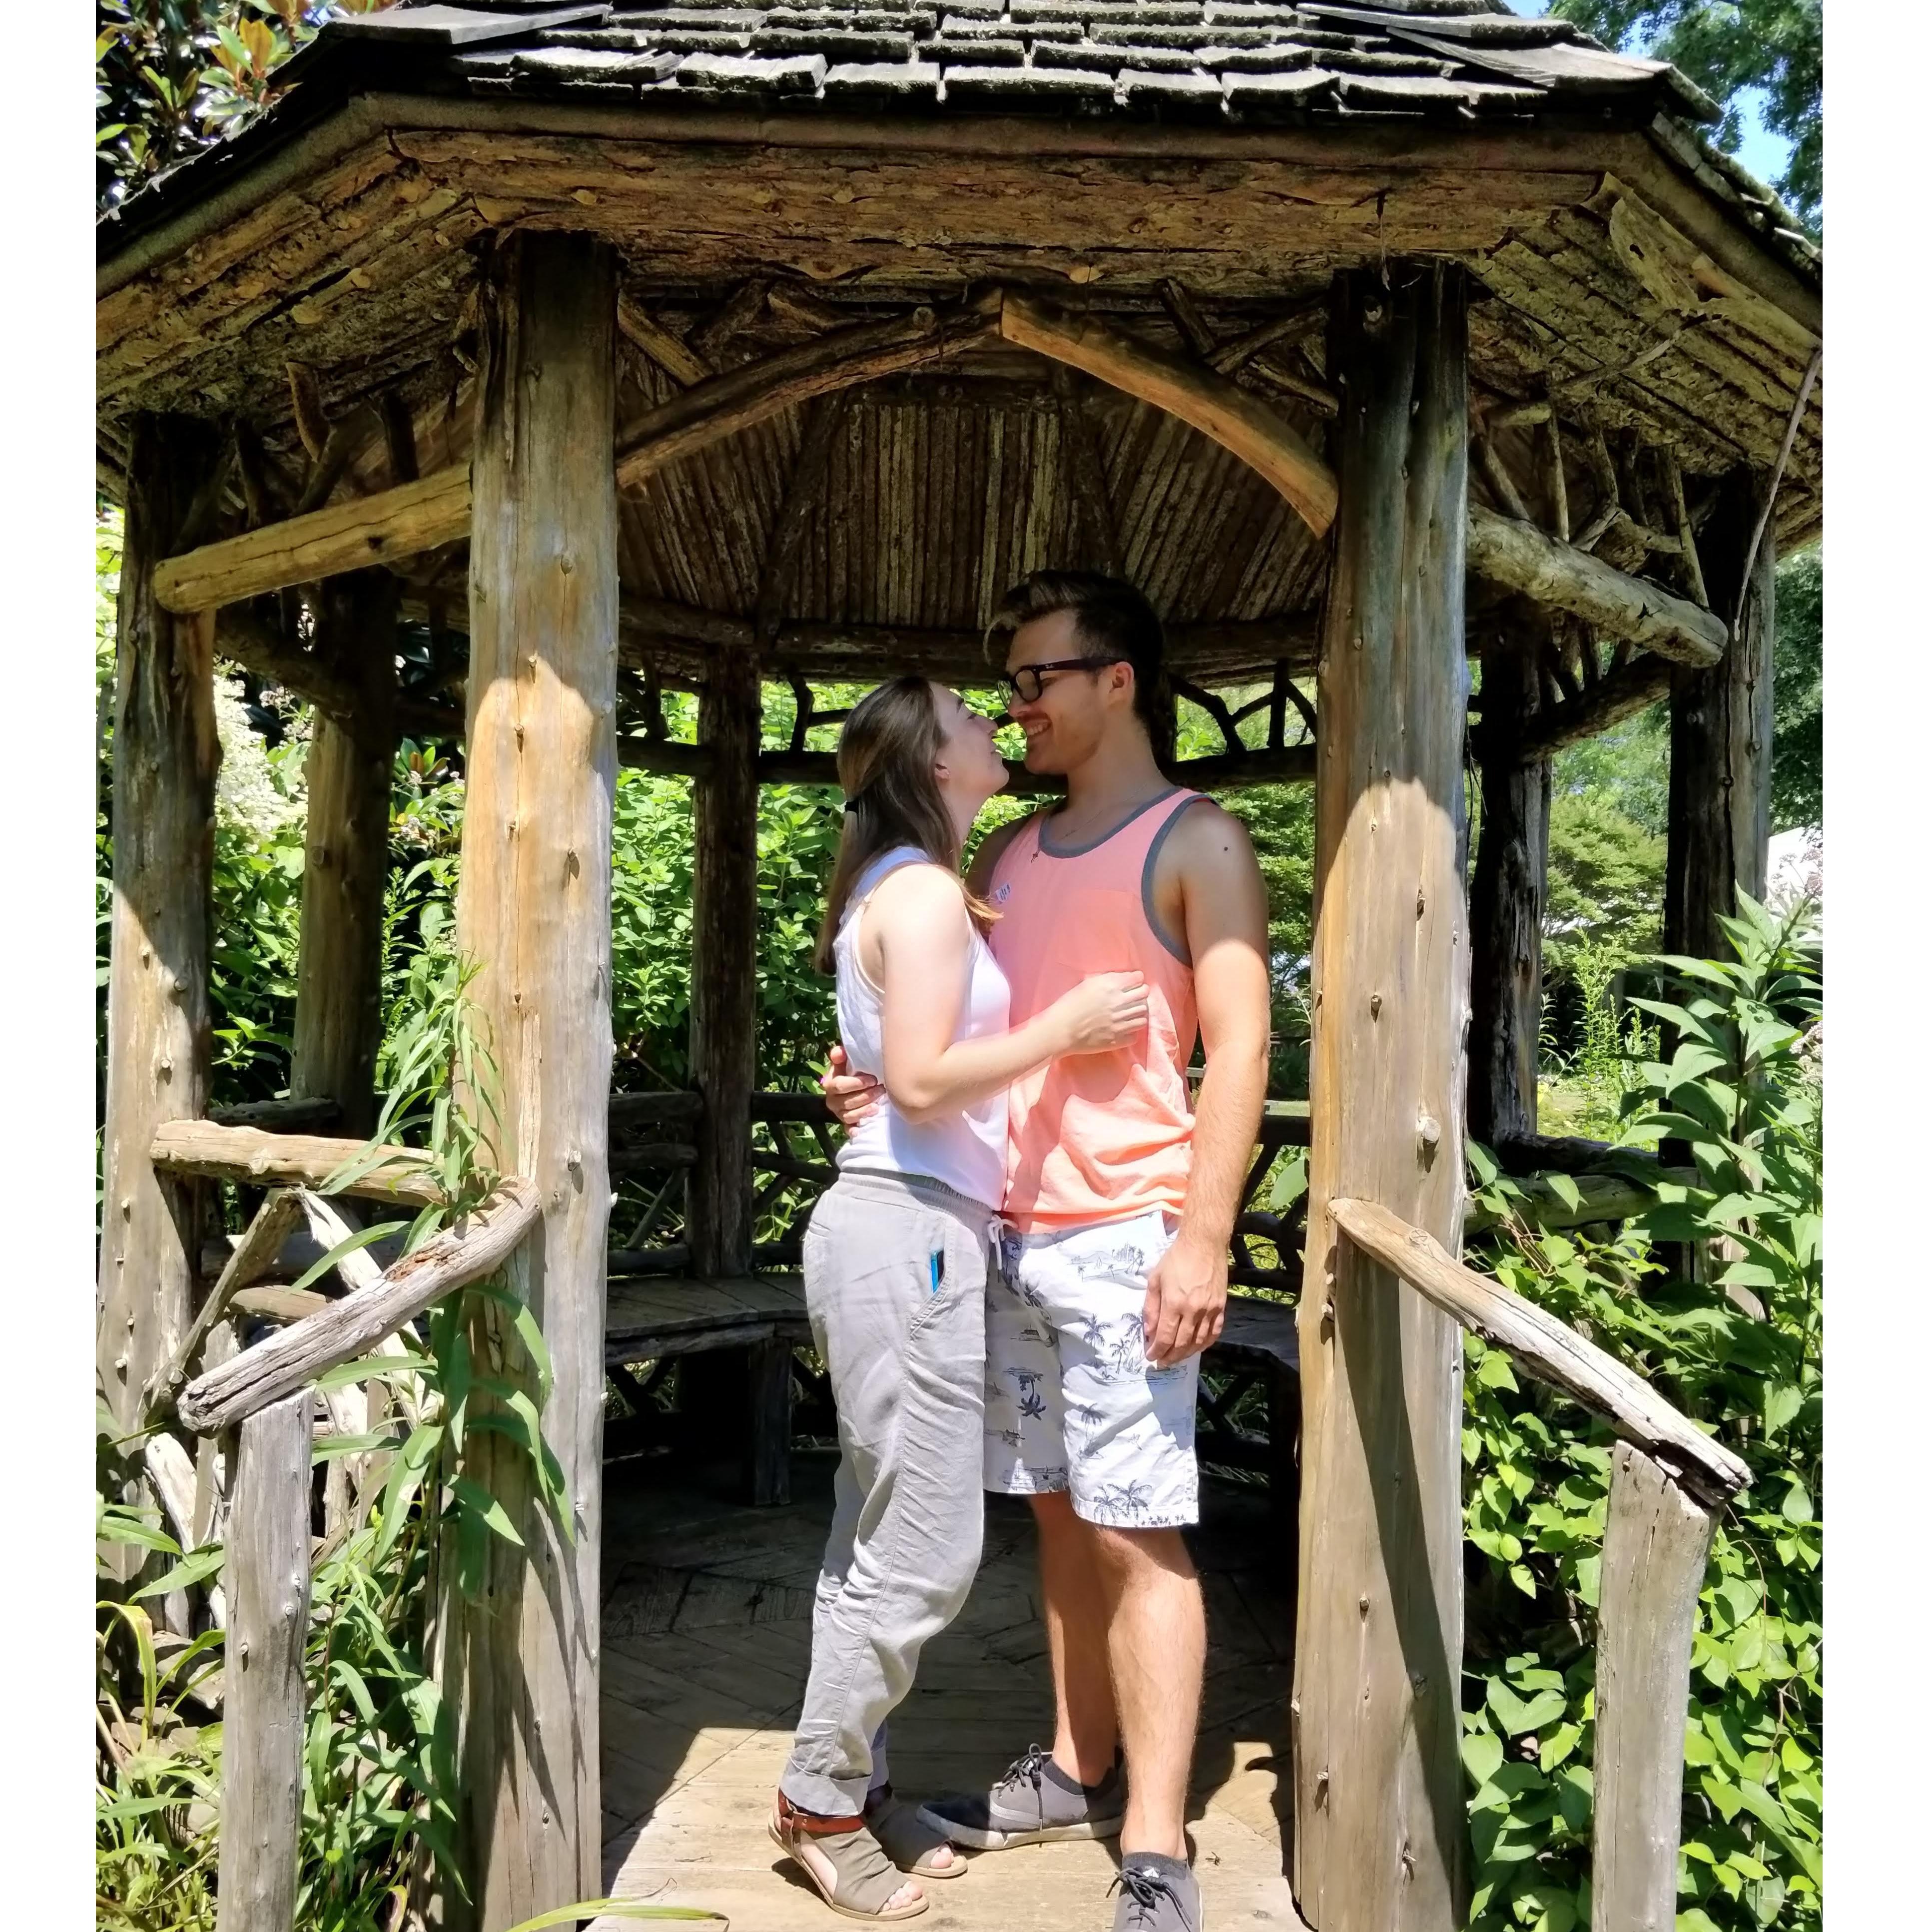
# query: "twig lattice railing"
(261, 1401)
(1667, 1480)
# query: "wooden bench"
(660, 1318)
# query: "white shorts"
(1071, 1403)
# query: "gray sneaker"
(1034, 1804)
(1157, 1894)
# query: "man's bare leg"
(1086, 1729)
(1156, 1645)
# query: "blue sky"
(1764, 153)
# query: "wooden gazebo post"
(519, 1658)
(724, 1062)
(1379, 1832)
(1508, 893)
(1720, 733)
(338, 1028)
(724, 962)
(166, 755)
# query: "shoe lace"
(1029, 1769)
(1147, 1888)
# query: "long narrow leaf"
(350, 1245)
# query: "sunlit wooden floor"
(707, 1622)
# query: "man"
(1121, 1200)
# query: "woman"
(896, 1259)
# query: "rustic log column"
(748, 1398)
(165, 753)
(1506, 900)
(520, 1655)
(725, 963)
(1720, 731)
(345, 854)
(1379, 1832)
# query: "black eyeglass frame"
(1011, 679)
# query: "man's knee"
(1143, 1556)
(1053, 1514)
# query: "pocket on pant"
(955, 1299)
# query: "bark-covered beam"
(349, 535)
(1557, 575)
(1200, 397)
(1549, 1349)
(723, 405)
(1622, 695)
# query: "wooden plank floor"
(707, 1625)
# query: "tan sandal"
(863, 1880)
(908, 1842)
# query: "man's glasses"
(1025, 684)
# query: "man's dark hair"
(1111, 620)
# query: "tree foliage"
(173, 76)
(1730, 47)
(1742, 1090)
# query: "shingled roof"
(1235, 59)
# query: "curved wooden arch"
(419, 516)
(1202, 397)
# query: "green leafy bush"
(1740, 1095)
(378, 1771)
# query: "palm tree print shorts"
(1071, 1403)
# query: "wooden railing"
(1667, 1478)
(266, 1396)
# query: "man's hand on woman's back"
(850, 1097)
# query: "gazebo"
(604, 350)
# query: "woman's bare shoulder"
(980, 874)
(922, 889)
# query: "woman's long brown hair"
(885, 756)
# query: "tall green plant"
(379, 1769)
(1741, 1091)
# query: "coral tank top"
(1096, 1136)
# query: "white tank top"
(966, 1150)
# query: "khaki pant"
(896, 1270)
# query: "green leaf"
(328, 1447)
(1734, 1600)
(1291, 1182)
(1494, 1371)
(1781, 1404)
(480, 1506)
(349, 1245)
(1575, 1796)
(203, 1564)
(1518, 1715)
(1482, 1754)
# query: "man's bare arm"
(1225, 912)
